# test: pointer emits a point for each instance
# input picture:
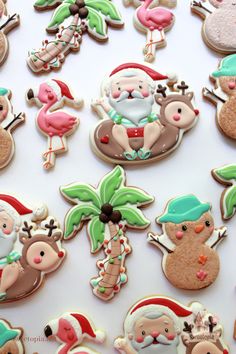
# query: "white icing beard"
(6, 243)
(133, 109)
(168, 347)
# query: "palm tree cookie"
(108, 210)
(188, 243)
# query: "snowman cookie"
(11, 341)
(188, 243)
(70, 330)
(223, 96)
(159, 324)
(218, 31)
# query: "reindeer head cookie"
(10, 339)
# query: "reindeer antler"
(212, 324)
(51, 227)
(27, 229)
(187, 327)
(183, 87)
(162, 90)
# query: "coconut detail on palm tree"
(70, 20)
(108, 211)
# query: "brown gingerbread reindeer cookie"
(11, 341)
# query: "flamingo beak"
(48, 331)
(30, 94)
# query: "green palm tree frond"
(225, 173)
(96, 230)
(130, 195)
(229, 202)
(81, 192)
(111, 183)
(133, 217)
(106, 7)
(96, 24)
(44, 3)
(60, 14)
(76, 216)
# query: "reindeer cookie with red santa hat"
(143, 120)
(159, 324)
(188, 243)
(30, 248)
(56, 124)
(70, 330)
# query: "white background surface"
(185, 171)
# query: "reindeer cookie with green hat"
(188, 242)
(10, 339)
(223, 96)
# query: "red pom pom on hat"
(154, 75)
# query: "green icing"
(226, 173)
(133, 217)
(96, 231)
(60, 14)
(7, 334)
(229, 202)
(111, 183)
(45, 2)
(129, 195)
(83, 193)
(106, 7)
(97, 22)
(3, 91)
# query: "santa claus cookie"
(70, 20)
(56, 124)
(108, 210)
(11, 341)
(8, 122)
(144, 115)
(223, 96)
(70, 330)
(188, 243)
(161, 325)
(218, 29)
(154, 20)
(30, 248)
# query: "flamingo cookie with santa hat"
(53, 122)
(144, 115)
(70, 330)
(159, 324)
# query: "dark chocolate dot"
(74, 9)
(116, 216)
(80, 3)
(104, 218)
(83, 12)
(107, 209)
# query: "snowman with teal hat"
(223, 96)
(188, 243)
(10, 339)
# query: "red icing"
(152, 73)
(20, 208)
(135, 132)
(84, 323)
(105, 139)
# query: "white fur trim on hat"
(56, 88)
(100, 336)
(40, 213)
(4, 206)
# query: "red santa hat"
(158, 306)
(153, 74)
(62, 90)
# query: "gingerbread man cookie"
(188, 243)
(11, 339)
(56, 124)
(71, 19)
(70, 330)
(109, 209)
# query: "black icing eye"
(184, 228)
(166, 330)
(119, 89)
(207, 223)
(1, 107)
(4, 226)
(179, 110)
(143, 333)
(140, 86)
(42, 253)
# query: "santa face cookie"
(161, 325)
(10, 339)
(108, 210)
(56, 124)
(8, 122)
(223, 96)
(188, 243)
(143, 119)
(219, 18)
(70, 330)
(30, 248)
(70, 20)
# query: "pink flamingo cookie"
(70, 330)
(155, 22)
(56, 124)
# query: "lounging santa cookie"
(70, 20)
(70, 330)
(30, 248)
(159, 324)
(188, 242)
(144, 115)
(223, 96)
(8, 122)
(218, 31)
(56, 124)
(11, 341)
(108, 211)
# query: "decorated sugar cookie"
(30, 248)
(8, 122)
(159, 324)
(218, 29)
(188, 242)
(154, 20)
(108, 210)
(70, 330)
(226, 175)
(144, 115)
(56, 124)
(10, 339)
(7, 23)
(223, 96)
(70, 20)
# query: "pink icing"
(179, 235)
(154, 19)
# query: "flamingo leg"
(50, 155)
(155, 39)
